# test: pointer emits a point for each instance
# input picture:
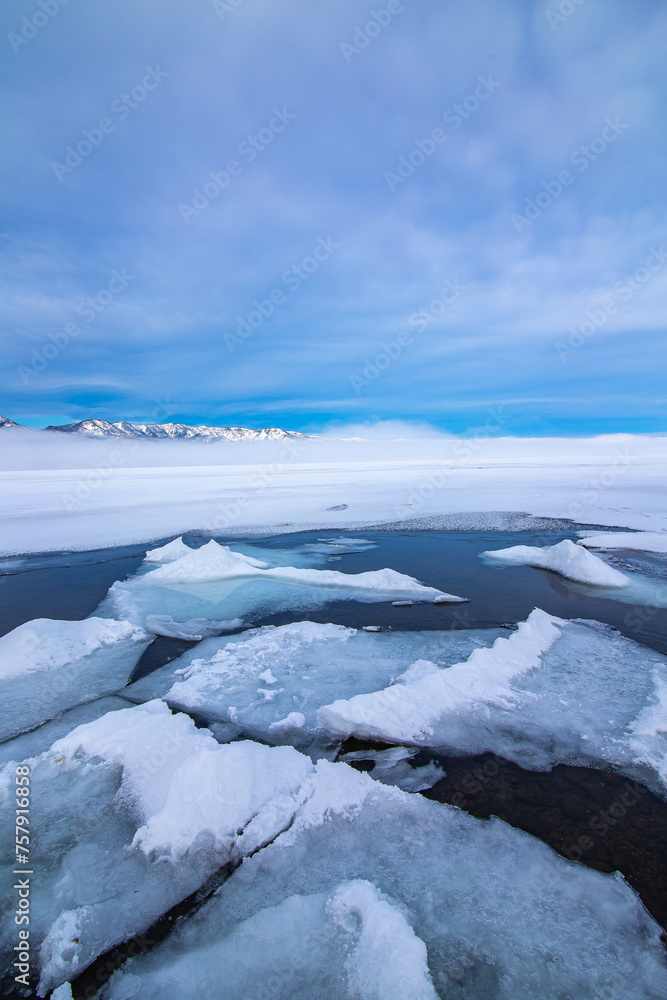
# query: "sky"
(316, 213)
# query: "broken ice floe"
(130, 814)
(375, 894)
(270, 682)
(555, 691)
(213, 583)
(587, 573)
(48, 666)
(569, 560)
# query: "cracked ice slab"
(131, 814)
(48, 666)
(555, 691)
(214, 583)
(270, 682)
(377, 894)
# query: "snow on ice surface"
(566, 558)
(374, 893)
(130, 814)
(37, 741)
(554, 692)
(270, 682)
(640, 541)
(215, 583)
(48, 666)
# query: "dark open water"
(71, 585)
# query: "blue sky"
(314, 281)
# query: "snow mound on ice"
(48, 666)
(374, 893)
(270, 682)
(215, 583)
(566, 558)
(131, 814)
(168, 553)
(410, 708)
(554, 692)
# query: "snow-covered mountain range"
(125, 429)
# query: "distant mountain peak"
(6, 422)
(176, 432)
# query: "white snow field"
(213, 588)
(48, 666)
(130, 814)
(569, 560)
(375, 894)
(77, 494)
(555, 691)
(269, 683)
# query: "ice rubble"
(215, 583)
(566, 558)
(375, 894)
(555, 691)
(48, 666)
(130, 814)
(270, 682)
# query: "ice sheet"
(214, 583)
(639, 541)
(373, 893)
(130, 814)
(270, 682)
(48, 666)
(554, 692)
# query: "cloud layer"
(294, 213)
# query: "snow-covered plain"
(64, 493)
